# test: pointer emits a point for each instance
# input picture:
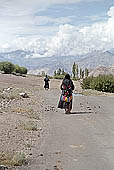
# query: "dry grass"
(10, 95)
(29, 125)
(90, 92)
(22, 110)
(28, 111)
(15, 159)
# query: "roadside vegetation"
(103, 83)
(12, 159)
(59, 74)
(9, 68)
(29, 125)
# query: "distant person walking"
(46, 85)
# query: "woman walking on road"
(46, 80)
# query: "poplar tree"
(63, 72)
(86, 72)
(74, 70)
(77, 71)
(80, 73)
(55, 73)
(59, 72)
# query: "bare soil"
(49, 139)
(21, 119)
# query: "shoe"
(67, 112)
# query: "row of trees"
(59, 74)
(78, 72)
(8, 68)
(104, 83)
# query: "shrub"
(86, 82)
(17, 69)
(23, 70)
(7, 67)
(104, 83)
(15, 159)
(59, 76)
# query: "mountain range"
(91, 60)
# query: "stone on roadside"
(9, 88)
(24, 95)
(2, 167)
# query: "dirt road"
(83, 140)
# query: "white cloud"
(71, 40)
(65, 39)
(111, 12)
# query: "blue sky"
(56, 27)
(81, 13)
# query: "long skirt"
(61, 103)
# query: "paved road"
(83, 140)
